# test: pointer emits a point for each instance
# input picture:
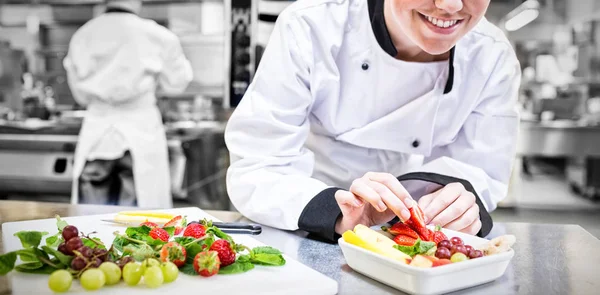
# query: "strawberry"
(194, 230)
(226, 253)
(402, 229)
(173, 252)
(207, 263)
(158, 233)
(416, 217)
(438, 235)
(149, 224)
(178, 222)
(425, 234)
(404, 240)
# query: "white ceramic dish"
(438, 280)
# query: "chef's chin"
(436, 47)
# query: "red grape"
(69, 232)
(459, 248)
(62, 248)
(443, 253)
(475, 254)
(469, 248)
(101, 253)
(97, 263)
(78, 263)
(74, 244)
(456, 241)
(85, 251)
(445, 244)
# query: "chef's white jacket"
(327, 105)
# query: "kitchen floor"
(543, 197)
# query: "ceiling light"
(524, 14)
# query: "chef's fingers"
(391, 200)
(472, 229)
(392, 183)
(347, 201)
(443, 200)
(454, 210)
(362, 190)
(425, 201)
(466, 220)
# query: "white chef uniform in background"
(115, 63)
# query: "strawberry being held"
(400, 228)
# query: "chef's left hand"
(452, 207)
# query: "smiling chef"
(361, 107)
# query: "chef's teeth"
(441, 23)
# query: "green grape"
(60, 281)
(153, 277)
(132, 273)
(92, 279)
(112, 272)
(170, 271)
(149, 262)
(458, 257)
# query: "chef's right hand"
(373, 199)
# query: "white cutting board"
(292, 278)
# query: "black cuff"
(484, 215)
(320, 214)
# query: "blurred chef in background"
(115, 63)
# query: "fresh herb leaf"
(219, 233)
(265, 250)
(431, 252)
(236, 267)
(244, 258)
(192, 249)
(30, 239)
(183, 240)
(419, 247)
(266, 256)
(7, 262)
(27, 255)
(45, 269)
(170, 230)
(64, 259)
(268, 259)
(92, 244)
(138, 233)
(120, 242)
(154, 242)
(188, 269)
(29, 266)
(55, 240)
(139, 252)
(60, 224)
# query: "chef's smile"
(441, 25)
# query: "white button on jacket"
(324, 108)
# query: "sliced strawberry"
(402, 229)
(176, 221)
(178, 230)
(149, 224)
(416, 217)
(425, 234)
(404, 240)
(158, 233)
(438, 235)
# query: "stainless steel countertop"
(549, 259)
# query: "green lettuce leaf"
(64, 259)
(31, 267)
(30, 239)
(419, 247)
(7, 262)
(27, 255)
(236, 267)
(92, 244)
